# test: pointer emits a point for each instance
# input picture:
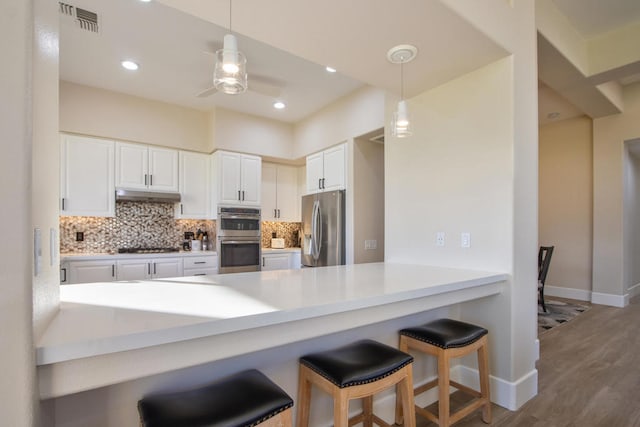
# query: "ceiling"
(590, 19)
(174, 50)
(171, 47)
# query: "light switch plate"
(465, 240)
(440, 238)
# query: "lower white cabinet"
(141, 269)
(89, 271)
(280, 260)
(201, 265)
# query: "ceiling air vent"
(85, 19)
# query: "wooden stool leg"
(399, 403)
(483, 368)
(405, 391)
(443, 389)
(367, 409)
(304, 398)
(340, 409)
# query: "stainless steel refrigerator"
(323, 229)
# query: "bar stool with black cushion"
(355, 371)
(248, 398)
(447, 339)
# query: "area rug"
(558, 313)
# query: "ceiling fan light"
(230, 73)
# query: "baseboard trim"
(510, 395)
(634, 290)
(571, 293)
(537, 349)
(610, 299)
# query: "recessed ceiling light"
(129, 65)
(279, 105)
(331, 70)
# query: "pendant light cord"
(402, 80)
(230, 6)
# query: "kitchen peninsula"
(112, 333)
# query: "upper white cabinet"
(195, 186)
(280, 201)
(236, 179)
(86, 176)
(326, 170)
(143, 167)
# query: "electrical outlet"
(465, 240)
(440, 238)
(370, 244)
(79, 236)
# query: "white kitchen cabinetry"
(201, 266)
(90, 271)
(236, 179)
(143, 167)
(276, 262)
(86, 176)
(195, 186)
(141, 269)
(326, 170)
(280, 201)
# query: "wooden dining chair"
(544, 259)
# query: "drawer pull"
(200, 274)
(200, 262)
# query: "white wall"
(98, 112)
(251, 134)
(368, 192)
(566, 204)
(356, 114)
(17, 382)
(609, 135)
(632, 217)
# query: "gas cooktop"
(146, 250)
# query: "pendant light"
(401, 122)
(230, 74)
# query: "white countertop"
(283, 250)
(99, 256)
(99, 319)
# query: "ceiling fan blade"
(207, 92)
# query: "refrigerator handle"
(319, 217)
(315, 248)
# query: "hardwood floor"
(588, 372)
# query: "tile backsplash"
(143, 224)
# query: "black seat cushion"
(244, 399)
(358, 363)
(446, 333)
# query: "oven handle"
(239, 242)
(239, 217)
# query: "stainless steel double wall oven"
(238, 239)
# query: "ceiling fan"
(259, 84)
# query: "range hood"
(123, 195)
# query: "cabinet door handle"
(323, 183)
(63, 203)
(238, 194)
(146, 179)
(200, 262)
(154, 268)
(181, 209)
(113, 270)
(319, 183)
(64, 272)
(150, 179)
(278, 213)
(263, 261)
(243, 195)
(275, 213)
(149, 268)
